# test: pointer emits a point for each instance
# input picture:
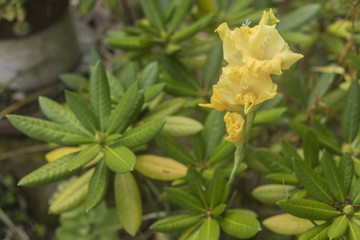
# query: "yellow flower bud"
(235, 128)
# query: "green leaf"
(84, 156)
(219, 209)
(283, 178)
(129, 74)
(165, 109)
(111, 4)
(212, 66)
(298, 17)
(351, 114)
(48, 173)
(152, 92)
(118, 120)
(180, 89)
(115, 85)
(197, 146)
(264, 117)
(239, 225)
(223, 151)
(99, 94)
(319, 232)
(271, 193)
(128, 43)
(312, 182)
(174, 149)
(184, 200)
(97, 186)
(215, 191)
(191, 30)
(287, 224)
(73, 195)
(74, 81)
(179, 126)
(81, 111)
(346, 168)
(290, 154)
(182, 9)
(128, 202)
(176, 223)
(153, 12)
(353, 232)
(214, 129)
(142, 134)
(239, 5)
(193, 179)
(59, 114)
(338, 227)
(48, 131)
(85, 6)
(309, 209)
(311, 148)
(209, 230)
(272, 161)
(119, 159)
(333, 177)
(320, 88)
(355, 192)
(149, 75)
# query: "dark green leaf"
(216, 188)
(212, 66)
(223, 151)
(290, 154)
(48, 131)
(165, 109)
(351, 114)
(85, 6)
(99, 94)
(346, 168)
(198, 146)
(239, 225)
(272, 161)
(83, 157)
(184, 200)
(153, 12)
(311, 148)
(97, 186)
(152, 92)
(115, 85)
(214, 129)
(176, 223)
(128, 202)
(309, 209)
(182, 9)
(191, 30)
(180, 89)
(193, 179)
(119, 159)
(128, 43)
(149, 75)
(111, 4)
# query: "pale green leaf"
(239, 225)
(179, 126)
(119, 159)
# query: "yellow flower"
(261, 47)
(240, 90)
(235, 128)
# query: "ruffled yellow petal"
(231, 53)
(235, 128)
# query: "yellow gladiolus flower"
(240, 90)
(235, 128)
(261, 47)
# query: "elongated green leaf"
(124, 109)
(287, 224)
(309, 209)
(224, 151)
(149, 75)
(319, 232)
(191, 30)
(180, 89)
(83, 157)
(82, 112)
(346, 168)
(119, 159)
(212, 66)
(312, 182)
(59, 114)
(152, 92)
(153, 12)
(239, 225)
(128, 43)
(142, 134)
(214, 129)
(129, 74)
(85, 6)
(111, 4)
(100, 94)
(48, 131)
(97, 186)
(353, 232)
(268, 116)
(283, 178)
(298, 17)
(184, 199)
(73, 195)
(338, 227)
(333, 177)
(48, 173)
(193, 179)
(215, 191)
(74, 81)
(239, 5)
(272, 161)
(174, 149)
(179, 126)
(271, 193)
(197, 146)
(311, 148)
(182, 9)
(209, 230)
(165, 109)
(115, 85)
(290, 154)
(351, 114)
(355, 192)
(128, 202)
(176, 223)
